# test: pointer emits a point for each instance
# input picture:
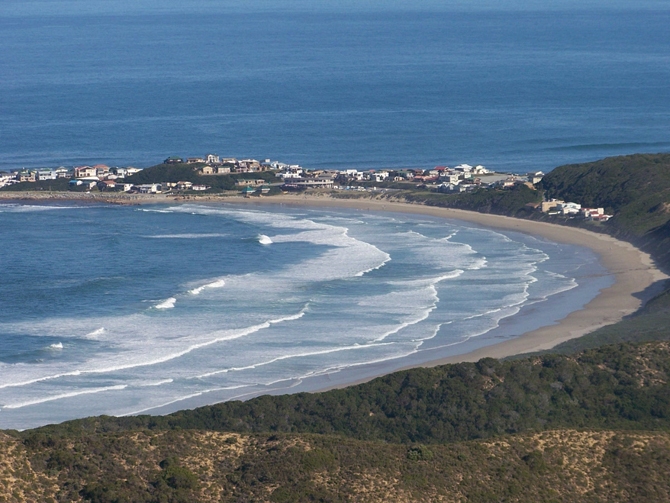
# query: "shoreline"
(636, 278)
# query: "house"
(101, 170)
(45, 174)
(480, 170)
(547, 206)
(569, 208)
(452, 178)
(199, 187)
(450, 188)
(247, 191)
(106, 185)
(207, 170)
(62, 172)
(85, 172)
(212, 159)
(173, 160)
(26, 175)
(84, 183)
(535, 177)
(183, 185)
(131, 171)
(149, 188)
(195, 160)
(222, 170)
(377, 176)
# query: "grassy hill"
(188, 173)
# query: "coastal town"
(462, 178)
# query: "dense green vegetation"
(510, 201)
(636, 188)
(188, 173)
(618, 387)
(60, 184)
(515, 201)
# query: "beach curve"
(636, 277)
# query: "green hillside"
(588, 427)
(617, 387)
(635, 188)
(188, 173)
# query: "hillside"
(205, 466)
(636, 188)
(187, 173)
(614, 387)
(592, 426)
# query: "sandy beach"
(635, 274)
(633, 270)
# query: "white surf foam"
(295, 355)
(166, 304)
(58, 345)
(96, 333)
(28, 208)
(264, 240)
(186, 236)
(51, 398)
(219, 283)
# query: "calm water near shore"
(333, 84)
(121, 310)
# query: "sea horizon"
(514, 86)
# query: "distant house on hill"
(85, 172)
(212, 159)
(173, 160)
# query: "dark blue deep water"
(515, 85)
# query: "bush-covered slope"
(617, 387)
(510, 201)
(187, 173)
(201, 466)
(636, 188)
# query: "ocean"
(152, 309)
(516, 86)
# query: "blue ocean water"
(513, 85)
(121, 310)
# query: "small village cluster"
(558, 207)
(461, 178)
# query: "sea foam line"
(219, 283)
(186, 236)
(166, 304)
(296, 355)
(234, 335)
(64, 395)
(182, 398)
